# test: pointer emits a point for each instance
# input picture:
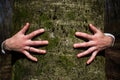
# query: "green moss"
(70, 15)
(52, 44)
(65, 63)
(19, 68)
(48, 24)
(60, 19)
(43, 18)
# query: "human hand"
(96, 42)
(24, 44)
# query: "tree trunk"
(61, 19)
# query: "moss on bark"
(61, 19)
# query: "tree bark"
(61, 19)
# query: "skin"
(96, 43)
(24, 44)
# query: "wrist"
(3, 48)
(6, 45)
(112, 37)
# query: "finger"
(92, 57)
(25, 28)
(28, 55)
(84, 44)
(84, 35)
(38, 43)
(90, 50)
(35, 33)
(37, 50)
(93, 28)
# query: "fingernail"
(46, 42)
(76, 45)
(90, 24)
(27, 23)
(43, 51)
(36, 60)
(42, 30)
(77, 33)
(78, 56)
(87, 63)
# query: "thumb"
(93, 28)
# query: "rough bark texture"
(61, 19)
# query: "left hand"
(97, 42)
(24, 44)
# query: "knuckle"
(95, 43)
(84, 44)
